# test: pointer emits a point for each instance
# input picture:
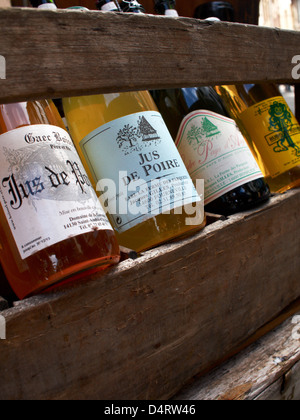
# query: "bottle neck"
(108, 6)
(44, 4)
(166, 8)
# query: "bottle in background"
(44, 4)
(52, 224)
(220, 9)
(108, 5)
(271, 129)
(132, 6)
(265, 119)
(166, 7)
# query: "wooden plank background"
(94, 52)
(148, 326)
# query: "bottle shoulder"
(87, 113)
(21, 114)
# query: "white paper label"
(44, 190)
(140, 171)
(213, 148)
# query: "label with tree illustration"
(45, 192)
(213, 148)
(138, 169)
(276, 134)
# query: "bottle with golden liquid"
(52, 224)
(271, 129)
(263, 116)
(129, 154)
(146, 189)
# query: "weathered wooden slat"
(62, 53)
(147, 326)
(269, 369)
(3, 304)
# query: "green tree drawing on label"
(200, 134)
(194, 135)
(281, 120)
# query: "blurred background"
(283, 14)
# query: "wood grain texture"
(63, 53)
(146, 327)
(267, 370)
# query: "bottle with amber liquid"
(271, 129)
(135, 166)
(52, 224)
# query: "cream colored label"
(44, 190)
(213, 148)
(276, 134)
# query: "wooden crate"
(268, 369)
(144, 328)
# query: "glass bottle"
(108, 5)
(52, 224)
(144, 185)
(218, 153)
(271, 129)
(166, 7)
(213, 148)
(44, 4)
(124, 143)
(220, 9)
(265, 119)
(132, 6)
